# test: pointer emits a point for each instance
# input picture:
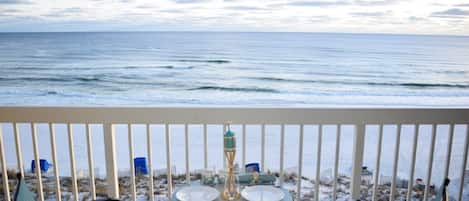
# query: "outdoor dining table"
(219, 187)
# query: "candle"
(231, 190)
(230, 141)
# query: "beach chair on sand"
(22, 191)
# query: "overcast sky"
(369, 16)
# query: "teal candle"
(230, 141)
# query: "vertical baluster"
(358, 149)
(318, 164)
(205, 147)
(282, 147)
(72, 162)
(40, 193)
(464, 162)
(131, 162)
(336, 163)
(430, 162)
(111, 161)
(412, 161)
(89, 142)
(6, 188)
(244, 148)
(55, 161)
(396, 163)
(19, 154)
(188, 173)
(222, 145)
(449, 149)
(378, 162)
(150, 167)
(263, 148)
(300, 163)
(168, 162)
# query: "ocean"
(254, 69)
(235, 69)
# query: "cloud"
(320, 18)
(247, 8)
(416, 19)
(322, 3)
(172, 11)
(371, 14)
(451, 13)
(317, 3)
(375, 2)
(9, 11)
(67, 12)
(189, 1)
(14, 2)
(146, 6)
(237, 15)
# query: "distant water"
(280, 69)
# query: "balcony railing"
(358, 118)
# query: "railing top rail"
(236, 115)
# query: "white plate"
(262, 193)
(197, 193)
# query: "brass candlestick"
(231, 190)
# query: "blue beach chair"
(140, 164)
(252, 167)
(43, 164)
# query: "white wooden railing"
(110, 116)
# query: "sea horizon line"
(246, 32)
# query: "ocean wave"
(409, 84)
(40, 79)
(217, 61)
(52, 79)
(241, 89)
(28, 68)
(108, 82)
(146, 67)
(87, 79)
(154, 67)
(423, 85)
(94, 68)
